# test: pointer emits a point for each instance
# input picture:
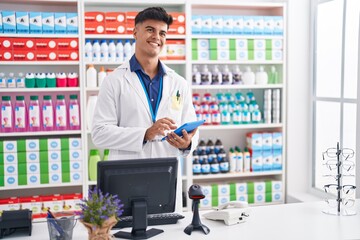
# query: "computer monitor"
(144, 186)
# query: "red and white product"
(6, 44)
(20, 55)
(23, 43)
(45, 44)
(115, 28)
(68, 55)
(118, 17)
(67, 44)
(94, 28)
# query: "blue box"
(206, 24)
(268, 25)
(9, 21)
(268, 161)
(1, 24)
(22, 22)
(228, 23)
(258, 27)
(277, 159)
(35, 22)
(48, 22)
(196, 24)
(278, 25)
(248, 25)
(72, 24)
(217, 24)
(60, 23)
(256, 161)
(238, 25)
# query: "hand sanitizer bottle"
(273, 76)
(248, 77)
(261, 77)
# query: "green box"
(194, 55)
(194, 43)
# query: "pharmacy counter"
(281, 222)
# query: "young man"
(143, 100)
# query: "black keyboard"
(153, 219)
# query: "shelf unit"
(230, 134)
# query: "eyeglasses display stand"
(343, 204)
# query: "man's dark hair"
(154, 13)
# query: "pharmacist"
(143, 100)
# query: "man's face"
(150, 37)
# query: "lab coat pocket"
(176, 103)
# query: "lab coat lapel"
(134, 81)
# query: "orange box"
(23, 43)
(67, 55)
(178, 18)
(94, 17)
(94, 28)
(175, 49)
(130, 17)
(115, 28)
(129, 28)
(118, 17)
(21, 55)
(6, 44)
(46, 55)
(6, 55)
(67, 44)
(45, 44)
(176, 29)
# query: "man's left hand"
(180, 142)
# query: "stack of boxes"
(265, 150)
(237, 49)
(252, 192)
(38, 23)
(40, 161)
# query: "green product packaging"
(194, 43)
(50, 80)
(40, 80)
(195, 55)
(30, 80)
(106, 154)
(93, 160)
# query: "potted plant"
(100, 213)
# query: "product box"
(268, 25)
(23, 44)
(259, 187)
(115, 17)
(267, 141)
(94, 28)
(9, 146)
(33, 203)
(71, 202)
(23, 55)
(277, 197)
(259, 44)
(242, 197)
(9, 21)
(1, 24)
(22, 22)
(35, 22)
(176, 29)
(175, 49)
(68, 55)
(259, 198)
(200, 54)
(72, 23)
(254, 141)
(33, 179)
(196, 24)
(74, 143)
(32, 145)
(206, 24)
(244, 55)
(178, 17)
(277, 159)
(76, 166)
(228, 23)
(260, 55)
(53, 144)
(205, 203)
(278, 25)
(6, 43)
(129, 28)
(33, 168)
(75, 155)
(274, 55)
(241, 44)
(238, 25)
(68, 44)
(45, 44)
(54, 156)
(45, 56)
(223, 190)
(267, 160)
(54, 177)
(217, 25)
(54, 167)
(76, 177)
(256, 161)
(207, 190)
(276, 186)
(9, 157)
(11, 180)
(258, 25)
(222, 55)
(277, 142)
(130, 17)
(11, 203)
(200, 44)
(53, 203)
(94, 17)
(10, 169)
(115, 28)
(241, 188)
(48, 22)
(248, 25)
(219, 44)
(274, 44)
(32, 157)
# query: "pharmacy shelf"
(126, 36)
(41, 1)
(39, 90)
(40, 133)
(14, 35)
(177, 62)
(41, 186)
(237, 87)
(240, 126)
(234, 36)
(236, 175)
(56, 63)
(237, 62)
(113, 3)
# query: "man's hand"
(180, 142)
(159, 128)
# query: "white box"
(76, 166)
(223, 190)
(54, 156)
(203, 54)
(241, 44)
(10, 158)
(242, 55)
(241, 188)
(54, 144)
(75, 155)
(217, 24)
(55, 167)
(223, 54)
(54, 178)
(258, 28)
(228, 23)
(10, 169)
(196, 24)
(277, 140)
(238, 25)
(259, 187)
(268, 25)
(76, 177)
(74, 143)
(254, 141)
(48, 22)
(207, 190)
(278, 25)
(22, 22)
(242, 197)
(33, 179)
(33, 168)
(276, 186)
(206, 24)
(202, 44)
(259, 55)
(248, 25)
(32, 145)
(259, 44)
(277, 197)
(267, 160)
(267, 141)
(11, 180)
(35, 25)
(276, 44)
(259, 198)
(10, 146)
(277, 158)
(206, 202)
(9, 21)
(72, 26)
(256, 161)
(60, 23)
(223, 199)
(32, 157)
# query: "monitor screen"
(150, 181)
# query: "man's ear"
(134, 32)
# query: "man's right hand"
(159, 128)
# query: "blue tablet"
(187, 126)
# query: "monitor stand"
(139, 210)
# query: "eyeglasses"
(345, 202)
(334, 188)
(333, 164)
(337, 176)
(334, 152)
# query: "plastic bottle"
(101, 76)
(217, 77)
(72, 79)
(239, 160)
(224, 165)
(96, 51)
(93, 160)
(245, 116)
(202, 145)
(74, 113)
(218, 146)
(127, 50)
(214, 166)
(7, 124)
(106, 154)
(196, 164)
(237, 75)
(225, 117)
(88, 51)
(209, 146)
(60, 113)
(50, 80)
(119, 51)
(232, 160)
(273, 76)
(205, 166)
(90, 108)
(2, 80)
(256, 115)
(11, 81)
(40, 79)
(20, 80)
(20, 114)
(47, 113)
(34, 114)
(247, 160)
(261, 77)
(104, 51)
(112, 51)
(248, 77)
(91, 81)
(196, 76)
(206, 76)
(30, 80)
(61, 79)
(227, 76)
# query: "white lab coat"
(122, 116)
